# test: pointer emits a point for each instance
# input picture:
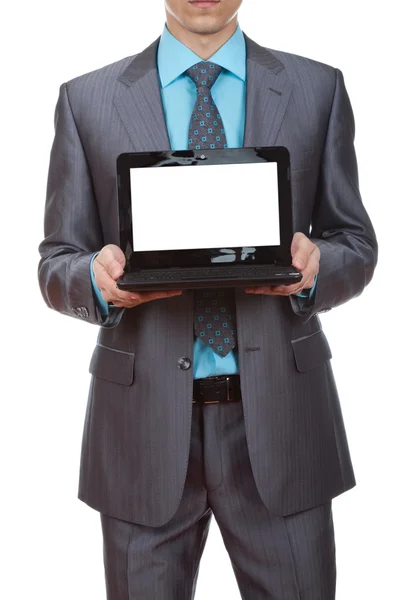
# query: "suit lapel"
(139, 104)
(268, 94)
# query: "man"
(178, 429)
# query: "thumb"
(114, 260)
(299, 250)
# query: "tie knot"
(204, 73)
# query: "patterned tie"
(214, 315)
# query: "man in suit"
(179, 428)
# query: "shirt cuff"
(308, 293)
(101, 303)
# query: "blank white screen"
(212, 206)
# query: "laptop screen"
(184, 208)
(215, 206)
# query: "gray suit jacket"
(137, 428)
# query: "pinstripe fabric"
(137, 431)
(279, 558)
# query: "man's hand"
(107, 267)
(305, 257)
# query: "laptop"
(206, 218)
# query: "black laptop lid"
(221, 206)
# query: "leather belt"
(220, 388)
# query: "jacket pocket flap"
(311, 351)
(113, 365)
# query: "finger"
(149, 296)
(111, 266)
(295, 289)
(311, 270)
(114, 295)
(127, 298)
(131, 299)
(105, 282)
(171, 293)
(259, 290)
(113, 252)
(308, 284)
(285, 290)
(273, 290)
(282, 290)
(125, 304)
(112, 259)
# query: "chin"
(204, 27)
(206, 30)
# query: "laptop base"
(206, 277)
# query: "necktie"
(214, 314)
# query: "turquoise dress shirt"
(178, 94)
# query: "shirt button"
(184, 363)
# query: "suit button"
(184, 363)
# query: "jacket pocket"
(113, 365)
(311, 351)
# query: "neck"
(204, 45)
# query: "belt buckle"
(228, 396)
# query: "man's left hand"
(305, 257)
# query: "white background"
(167, 202)
(51, 542)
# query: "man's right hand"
(108, 266)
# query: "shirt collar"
(174, 57)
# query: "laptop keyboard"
(207, 273)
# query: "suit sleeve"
(72, 228)
(340, 226)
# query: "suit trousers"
(273, 557)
